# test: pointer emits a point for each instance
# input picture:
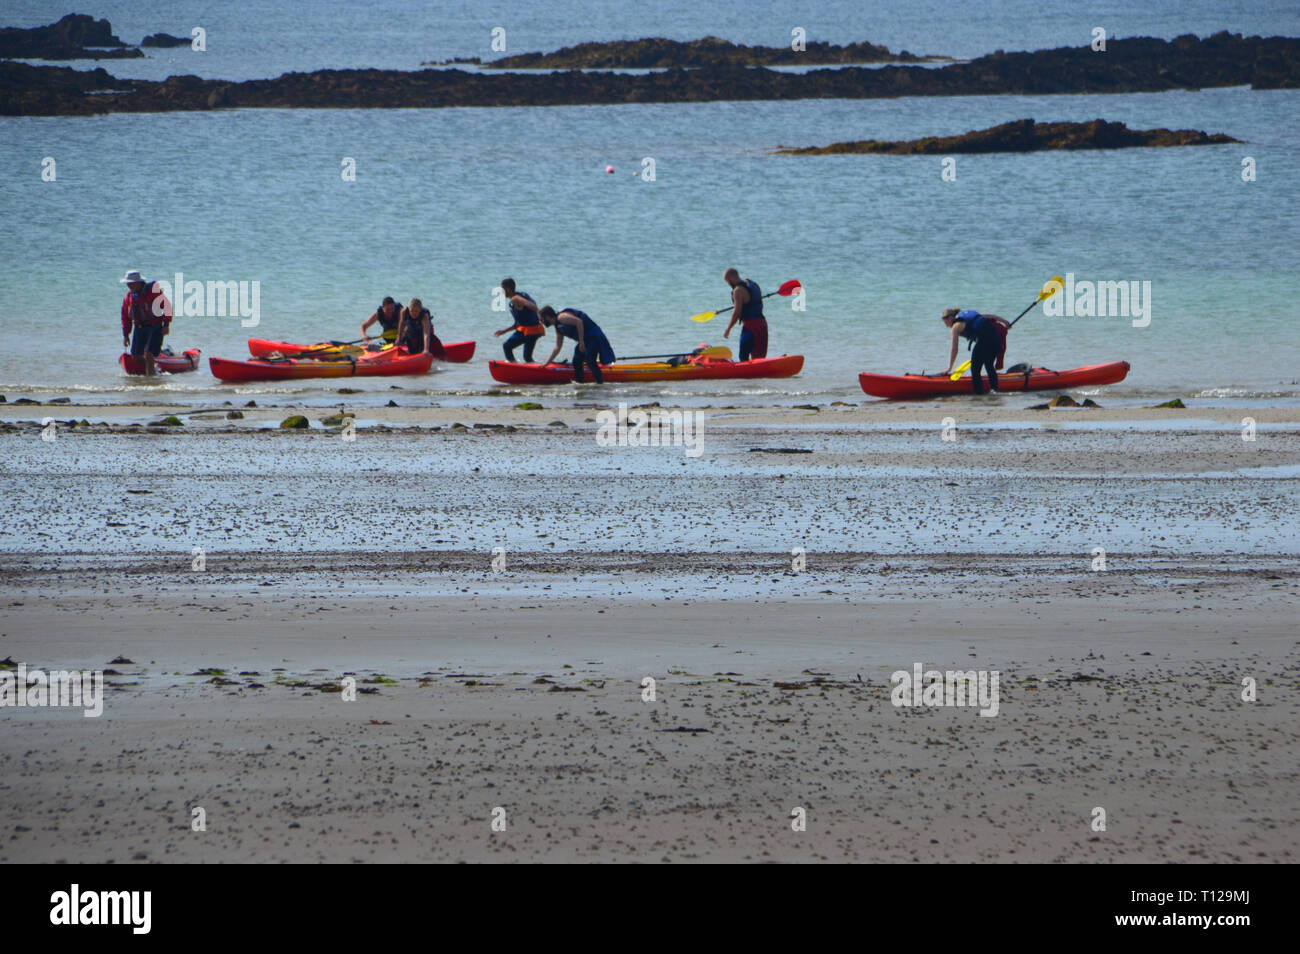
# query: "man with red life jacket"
(986, 335)
(747, 300)
(526, 324)
(147, 312)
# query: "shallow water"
(447, 202)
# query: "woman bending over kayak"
(415, 330)
(985, 334)
(593, 348)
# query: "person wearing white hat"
(146, 312)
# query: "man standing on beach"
(146, 310)
(747, 299)
(527, 326)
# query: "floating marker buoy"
(609, 170)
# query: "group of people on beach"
(146, 320)
(412, 327)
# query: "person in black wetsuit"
(593, 348)
(415, 330)
(985, 338)
(387, 315)
(527, 327)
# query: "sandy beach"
(520, 686)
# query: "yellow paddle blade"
(721, 352)
(960, 370)
(1052, 287)
(704, 316)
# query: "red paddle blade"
(789, 288)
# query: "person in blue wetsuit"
(986, 339)
(593, 348)
(747, 308)
(525, 324)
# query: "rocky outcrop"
(1023, 135)
(658, 53)
(75, 37)
(1137, 65)
(165, 40)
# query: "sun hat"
(132, 276)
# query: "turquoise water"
(448, 202)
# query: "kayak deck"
(286, 369)
(914, 386)
(456, 352)
(698, 369)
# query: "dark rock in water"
(1063, 400)
(295, 421)
(75, 37)
(1176, 402)
(2, 399)
(170, 420)
(165, 40)
(1023, 135)
(391, 404)
(780, 450)
(1089, 402)
(26, 401)
(234, 415)
(659, 53)
(349, 391)
(251, 404)
(1142, 64)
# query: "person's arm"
(957, 328)
(374, 316)
(740, 296)
(559, 343)
(401, 328)
(126, 322)
(428, 334)
(163, 308)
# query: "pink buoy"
(609, 170)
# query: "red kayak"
(170, 363)
(458, 352)
(900, 387)
(695, 369)
(391, 361)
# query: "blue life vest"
(974, 324)
(754, 307)
(524, 317)
(589, 328)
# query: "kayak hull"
(707, 369)
(170, 363)
(289, 369)
(900, 387)
(457, 352)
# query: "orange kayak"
(457, 352)
(389, 362)
(696, 369)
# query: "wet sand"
(522, 688)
